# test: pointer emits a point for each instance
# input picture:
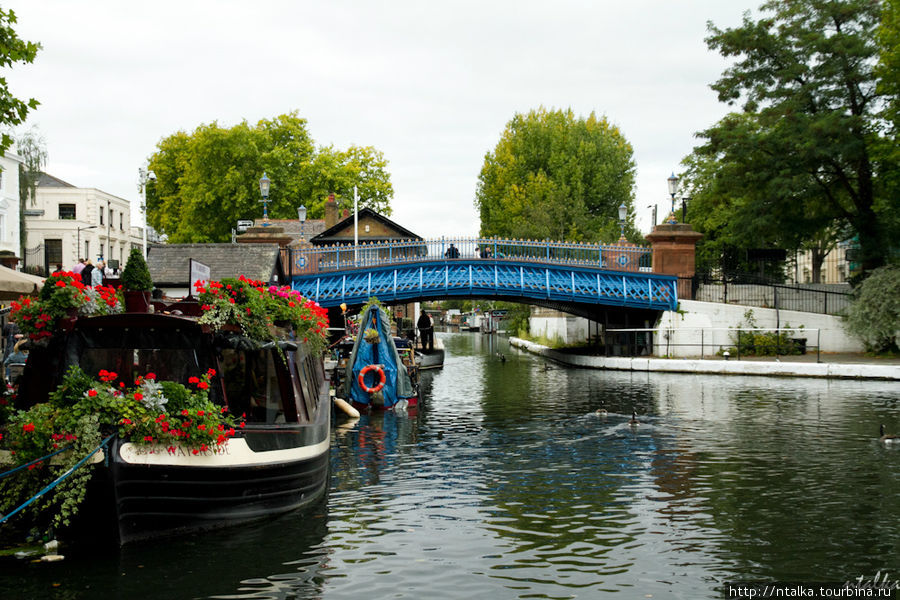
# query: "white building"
(72, 223)
(9, 203)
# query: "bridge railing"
(338, 257)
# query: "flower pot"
(137, 301)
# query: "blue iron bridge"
(577, 278)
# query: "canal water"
(507, 484)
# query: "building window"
(101, 250)
(67, 212)
(87, 249)
(54, 253)
(110, 217)
(101, 216)
(122, 221)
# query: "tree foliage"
(554, 176)
(874, 315)
(802, 165)
(208, 179)
(32, 147)
(13, 111)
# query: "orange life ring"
(362, 378)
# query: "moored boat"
(431, 359)
(378, 374)
(267, 455)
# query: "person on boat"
(452, 252)
(426, 331)
(86, 272)
(16, 359)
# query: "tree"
(802, 163)
(554, 176)
(874, 315)
(13, 111)
(208, 179)
(32, 147)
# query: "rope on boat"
(34, 462)
(57, 481)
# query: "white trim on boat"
(233, 453)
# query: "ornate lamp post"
(623, 212)
(143, 178)
(673, 187)
(264, 183)
(301, 216)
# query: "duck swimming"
(633, 422)
(888, 438)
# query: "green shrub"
(874, 315)
(136, 275)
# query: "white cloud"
(432, 85)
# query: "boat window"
(297, 386)
(251, 385)
(171, 364)
(310, 392)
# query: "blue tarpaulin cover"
(397, 385)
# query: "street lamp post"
(672, 180)
(685, 198)
(264, 183)
(78, 238)
(144, 176)
(623, 212)
(301, 215)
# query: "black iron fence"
(829, 299)
(36, 260)
(710, 342)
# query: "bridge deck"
(507, 278)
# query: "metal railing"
(803, 298)
(36, 261)
(707, 342)
(318, 259)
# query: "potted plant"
(137, 282)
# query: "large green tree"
(13, 111)
(802, 165)
(208, 179)
(556, 176)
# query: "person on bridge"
(426, 331)
(452, 252)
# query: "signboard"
(243, 224)
(199, 272)
(498, 313)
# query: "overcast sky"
(430, 84)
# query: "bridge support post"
(674, 253)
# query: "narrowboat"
(273, 459)
(379, 370)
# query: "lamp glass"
(623, 211)
(673, 184)
(264, 182)
(301, 213)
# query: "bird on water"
(633, 422)
(888, 438)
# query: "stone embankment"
(769, 367)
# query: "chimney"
(330, 212)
